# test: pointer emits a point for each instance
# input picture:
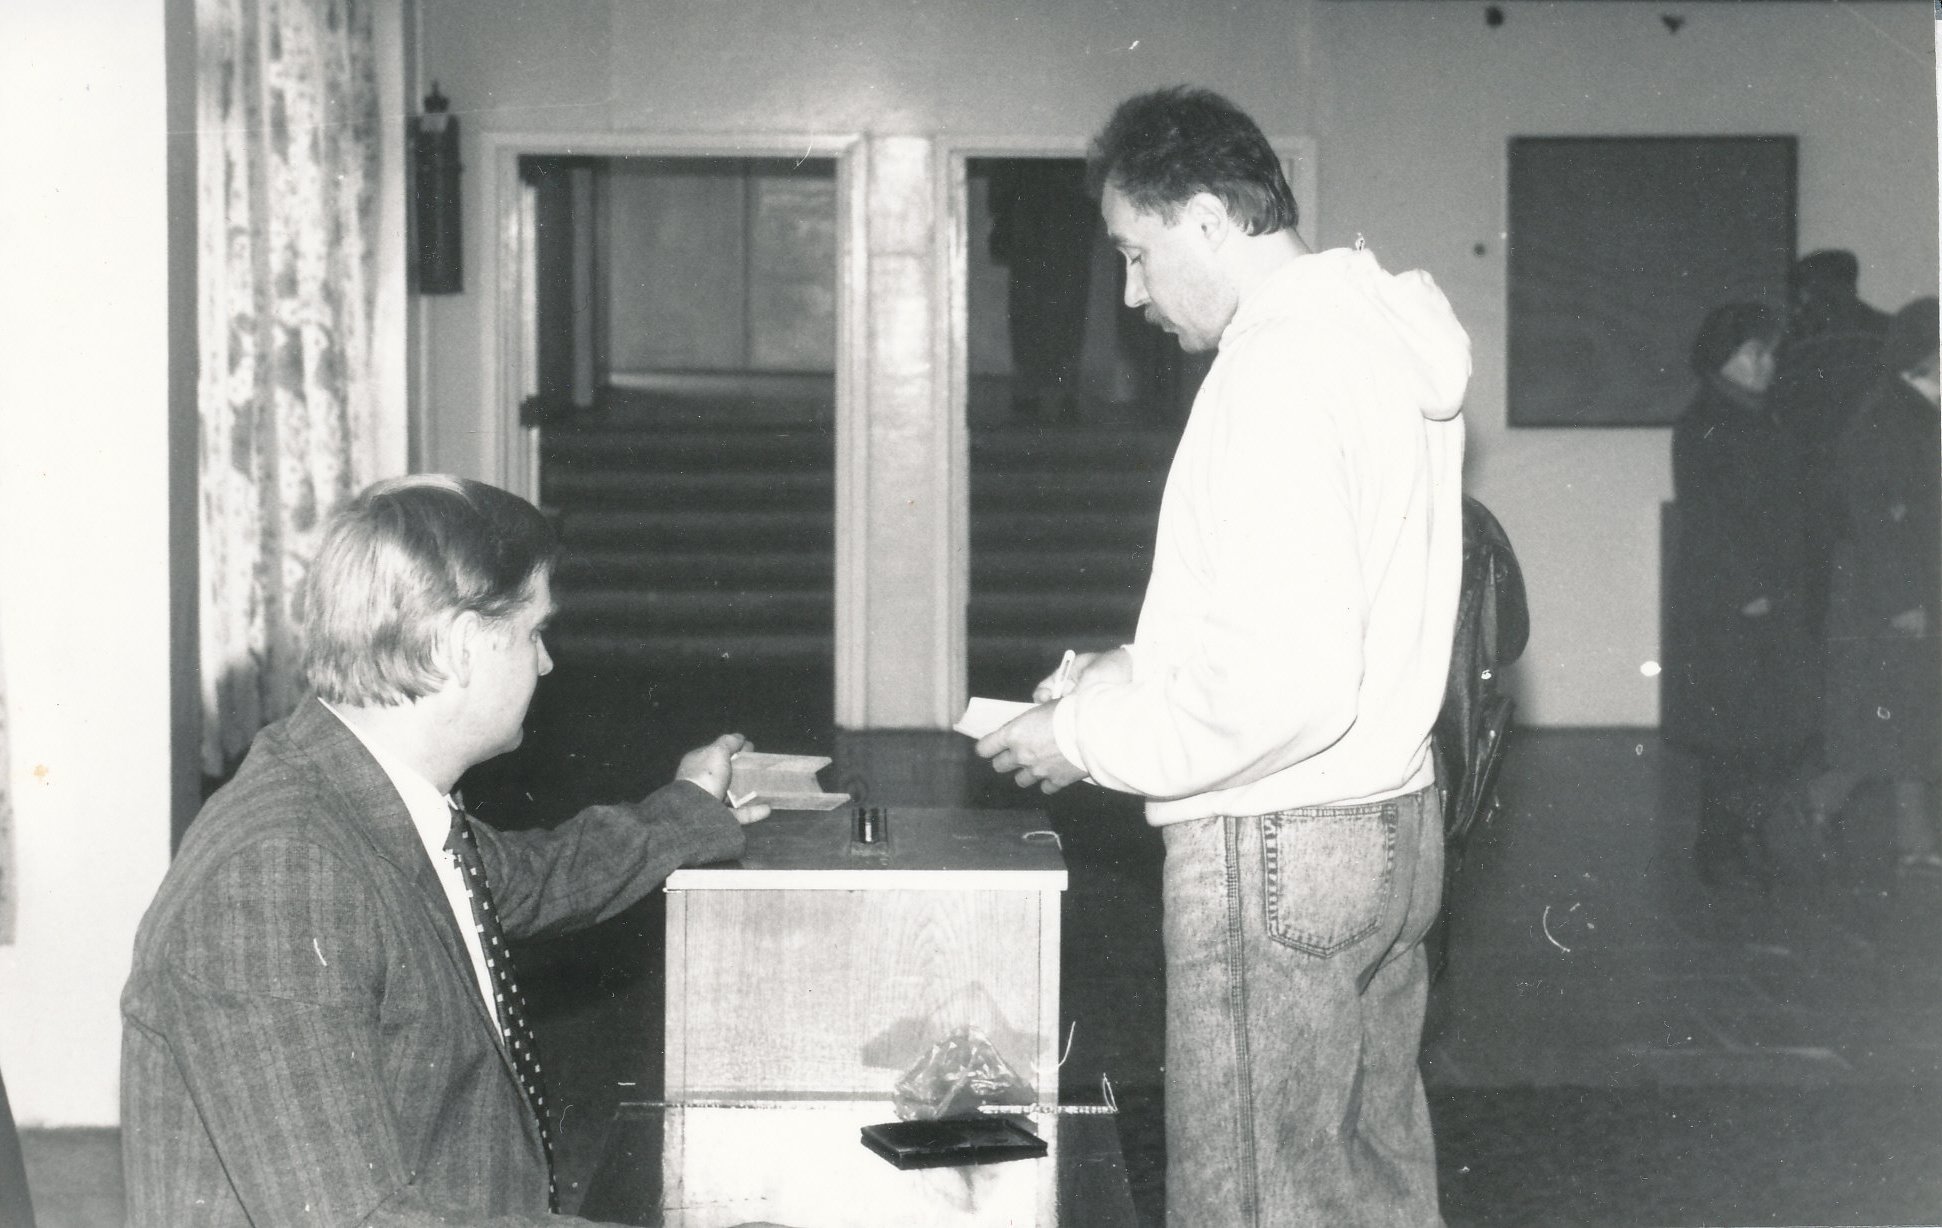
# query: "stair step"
(720, 447)
(993, 569)
(1013, 530)
(738, 530)
(1073, 450)
(1101, 490)
(769, 530)
(671, 490)
(724, 399)
(1005, 613)
(686, 449)
(620, 566)
(996, 569)
(1040, 650)
(1023, 653)
(1123, 570)
(609, 648)
(680, 490)
(655, 610)
(1109, 612)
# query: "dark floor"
(1610, 1044)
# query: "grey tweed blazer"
(303, 1041)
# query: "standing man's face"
(1171, 270)
(509, 660)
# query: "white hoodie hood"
(1295, 634)
(1402, 319)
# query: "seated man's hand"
(708, 767)
(1026, 748)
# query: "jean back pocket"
(1329, 872)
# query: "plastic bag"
(959, 1073)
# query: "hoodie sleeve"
(1271, 676)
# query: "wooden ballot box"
(820, 966)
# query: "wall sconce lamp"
(437, 264)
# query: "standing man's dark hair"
(1161, 148)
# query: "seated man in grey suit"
(322, 1025)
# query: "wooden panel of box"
(821, 967)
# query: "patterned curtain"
(288, 125)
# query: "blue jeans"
(1296, 980)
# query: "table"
(817, 967)
(801, 1163)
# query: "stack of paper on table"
(784, 782)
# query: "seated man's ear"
(458, 644)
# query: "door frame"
(508, 368)
(953, 153)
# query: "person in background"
(1739, 683)
(1275, 705)
(1827, 362)
(1042, 228)
(1882, 722)
(322, 1025)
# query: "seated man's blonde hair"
(397, 564)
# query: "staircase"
(693, 536)
(1062, 522)
(689, 539)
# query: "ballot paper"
(783, 782)
(981, 716)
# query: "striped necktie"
(515, 1032)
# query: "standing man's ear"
(1208, 215)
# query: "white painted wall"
(84, 548)
(1420, 102)
(1411, 104)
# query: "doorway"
(1073, 404)
(674, 343)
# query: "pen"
(1062, 681)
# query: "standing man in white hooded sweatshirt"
(1274, 707)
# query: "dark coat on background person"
(1823, 371)
(304, 1040)
(1825, 368)
(1882, 715)
(1043, 226)
(1733, 683)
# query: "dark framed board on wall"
(1618, 247)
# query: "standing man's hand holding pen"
(1027, 749)
(1077, 668)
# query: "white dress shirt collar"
(431, 816)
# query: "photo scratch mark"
(1545, 921)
